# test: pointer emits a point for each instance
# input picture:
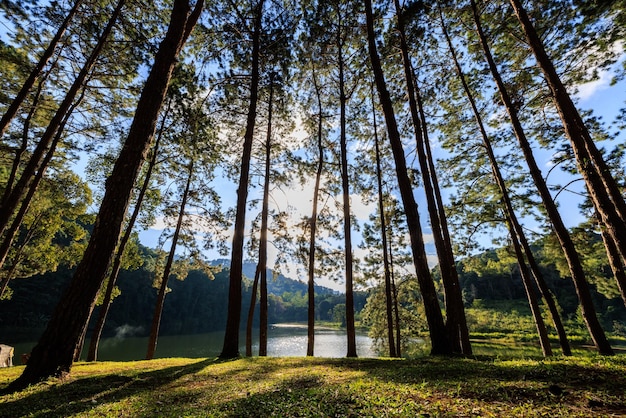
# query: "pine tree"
(54, 353)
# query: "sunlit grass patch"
(252, 387)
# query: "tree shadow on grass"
(550, 386)
(83, 394)
(302, 396)
(540, 382)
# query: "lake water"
(284, 340)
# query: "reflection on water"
(284, 340)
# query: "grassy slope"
(593, 386)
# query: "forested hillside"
(194, 305)
(197, 304)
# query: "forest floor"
(288, 387)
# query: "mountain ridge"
(276, 283)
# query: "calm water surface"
(284, 340)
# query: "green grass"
(296, 387)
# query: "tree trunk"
(54, 352)
(531, 295)
(396, 308)
(383, 234)
(316, 192)
(36, 72)
(603, 189)
(462, 332)
(573, 260)
(264, 226)
(158, 308)
(517, 228)
(230, 348)
(347, 230)
(92, 354)
(255, 287)
(439, 336)
(455, 312)
(615, 262)
(13, 199)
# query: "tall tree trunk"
(230, 348)
(54, 352)
(603, 189)
(92, 354)
(260, 277)
(456, 323)
(313, 224)
(383, 234)
(347, 230)
(36, 72)
(546, 294)
(264, 227)
(394, 293)
(253, 297)
(517, 228)
(462, 332)
(578, 277)
(439, 337)
(531, 295)
(513, 225)
(615, 262)
(158, 307)
(13, 199)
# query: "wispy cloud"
(588, 90)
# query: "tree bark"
(615, 262)
(347, 230)
(264, 227)
(462, 332)
(313, 224)
(531, 295)
(230, 348)
(253, 297)
(438, 334)
(54, 352)
(517, 228)
(456, 323)
(16, 222)
(158, 308)
(92, 354)
(394, 293)
(578, 277)
(511, 219)
(383, 234)
(603, 189)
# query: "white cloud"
(360, 209)
(428, 238)
(588, 90)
